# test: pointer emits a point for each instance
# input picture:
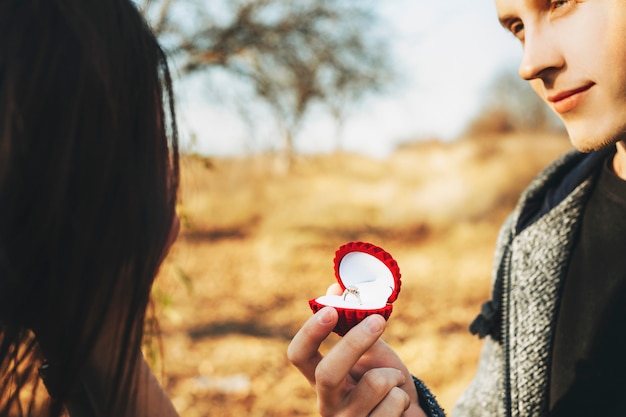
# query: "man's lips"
(565, 101)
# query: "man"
(554, 328)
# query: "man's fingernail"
(374, 324)
(324, 316)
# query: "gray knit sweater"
(530, 263)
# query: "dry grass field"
(257, 243)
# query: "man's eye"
(517, 29)
(555, 4)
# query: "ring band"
(352, 290)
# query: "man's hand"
(360, 375)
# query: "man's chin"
(589, 143)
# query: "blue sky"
(447, 53)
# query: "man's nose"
(541, 54)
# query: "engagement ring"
(352, 290)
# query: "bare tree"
(293, 53)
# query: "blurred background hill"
(258, 243)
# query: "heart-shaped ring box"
(368, 269)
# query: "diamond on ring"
(354, 291)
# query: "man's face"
(575, 60)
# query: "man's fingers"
(382, 356)
(332, 371)
(395, 403)
(373, 388)
(334, 289)
(303, 351)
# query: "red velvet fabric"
(348, 318)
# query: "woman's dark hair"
(88, 184)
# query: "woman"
(88, 184)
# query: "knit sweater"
(532, 254)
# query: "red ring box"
(376, 276)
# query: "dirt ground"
(258, 242)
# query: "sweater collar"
(556, 182)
